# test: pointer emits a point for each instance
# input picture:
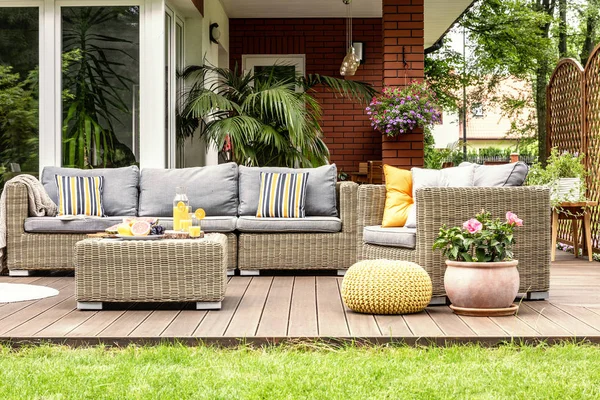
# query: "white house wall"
(199, 50)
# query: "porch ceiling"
(439, 14)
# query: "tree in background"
(520, 39)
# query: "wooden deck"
(288, 308)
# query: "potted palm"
(481, 277)
(262, 117)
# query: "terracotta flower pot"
(482, 289)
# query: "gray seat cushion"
(120, 195)
(213, 188)
(209, 224)
(393, 237)
(513, 174)
(56, 225)
(320, 189)
(279, 225)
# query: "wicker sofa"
(304, 250)
(315, 242)
(452, 206)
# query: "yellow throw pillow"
(398, 197)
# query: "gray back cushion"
(499, 175)
(213, 188)
(120, 195)
(320, 189)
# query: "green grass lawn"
(566, 371)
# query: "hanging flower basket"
(400, 110)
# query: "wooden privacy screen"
(573, 125)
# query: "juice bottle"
(180, 213)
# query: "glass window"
(101, 75)
(19, 90)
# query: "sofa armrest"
(347, 203)
(371, 202)
(452, 206)
(17, 209)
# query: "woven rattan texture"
(566, 118)
(151, 271)
(453, 206)
(386, 287)
(592, 132)
(573, 124)
(33, 251)
(30, 251)
(306, 251)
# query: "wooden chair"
(375, 172)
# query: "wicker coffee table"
(186, 270)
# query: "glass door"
(100, 86)
(19, 91)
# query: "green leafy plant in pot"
(265, 117)
(565, 175)
(481, 277)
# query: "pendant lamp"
(351, 61)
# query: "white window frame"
(249, 61)
(176, 19)
(152, 85)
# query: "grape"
(157, 230)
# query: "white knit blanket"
(40, 205)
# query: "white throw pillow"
(448, 177)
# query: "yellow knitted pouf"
(386, 287)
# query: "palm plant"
(94, 88)
(270, 119)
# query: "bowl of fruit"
(137, 229)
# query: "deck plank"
(483, 326)
(96, 323)
(303, 311)
(276, 314)
(127, 322)
(247, 316)
(392, 326)
(155, 324)
(66, 324)
(330, 309)
(421, 325)
(11, 308)
(23, 317)
(448, 322)
(184, 324)
(216, 322)
(46, 318)
(514, 327)
(573, 325)
(540, 323)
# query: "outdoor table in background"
(574, 211)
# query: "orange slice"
(200, 213)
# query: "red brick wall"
(403, 42)
(347, 130)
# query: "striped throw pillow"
(80, 195)
(282, 195)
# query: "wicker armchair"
(452, 206)
(304, 251)
(50, 251)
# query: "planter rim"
(498, 264)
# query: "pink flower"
(472, 225)
(512, 219)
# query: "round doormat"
(13, 292)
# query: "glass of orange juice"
(195, 230)
(185, 221)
